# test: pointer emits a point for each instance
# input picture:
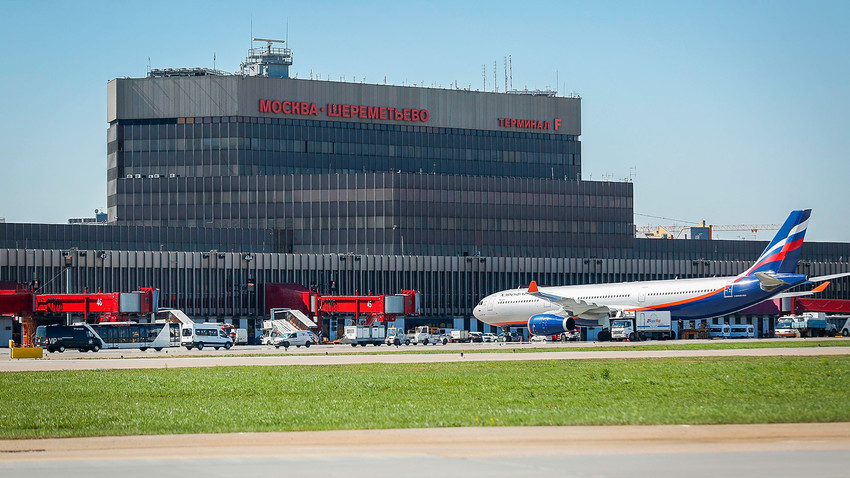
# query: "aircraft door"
(642, 295)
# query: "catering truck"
(807, 324)
(648, 324)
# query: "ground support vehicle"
(508, 337)
(132, 335)
(459, 336)
(841, 323)
(655, 325)
(297, 338)
(719, 331)
(363, 335)
(56, 338)
(571, 336)
(396, 336)
(200, 335)
(476, 337)
(742, 331)
(239, 336)
(807, 324)
(488, 337)
(428, 335)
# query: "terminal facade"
(218, 184)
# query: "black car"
(508, 337)
(57, 338)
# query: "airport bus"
(132, 335)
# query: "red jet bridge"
(366, 309)
(111, 306)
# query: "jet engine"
(550, 324)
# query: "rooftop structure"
(267, 61)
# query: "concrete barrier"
(27, 352)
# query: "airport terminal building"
(218, 184)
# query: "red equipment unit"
(381, 307)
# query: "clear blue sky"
(733, 112)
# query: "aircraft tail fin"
(783, 252)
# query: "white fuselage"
(513, 307)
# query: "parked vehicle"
(719, 331)
(297, 338)
(488, 337)
(132, 335)
(841, 323)
(646, 325)
(396, 336)
(508, 337)
(476, 337)
(239, 336)
(57, 338)
(742, 331)
(461, 336)
(571, 335)
(428, 335)
(540, 339)
(363, 335)
(807, 324)
(200, 335)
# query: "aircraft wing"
(576, 308)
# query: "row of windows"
(233, 146)
(345, 165)
(375, 195)
(340, 125)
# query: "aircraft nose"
(479, 309)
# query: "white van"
(204, 335)
(297, 338)
(741, 331)
(719, 331)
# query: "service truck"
(459, 336)
(396, 336)
(807, 324)
(428, 335)
(648, 324)
(363, 335)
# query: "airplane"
(554, 310)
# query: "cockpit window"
(482, 302)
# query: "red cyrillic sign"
(530, 124)
(304, 108)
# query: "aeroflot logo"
(344, 111)
(530, 124)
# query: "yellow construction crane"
(673, 232)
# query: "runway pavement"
(754, 451)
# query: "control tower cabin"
(267, 61)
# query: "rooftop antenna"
(506, 74)
(557, 82)
(484, 75)
(495, 82)
(511, 63)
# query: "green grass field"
(591, 392)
